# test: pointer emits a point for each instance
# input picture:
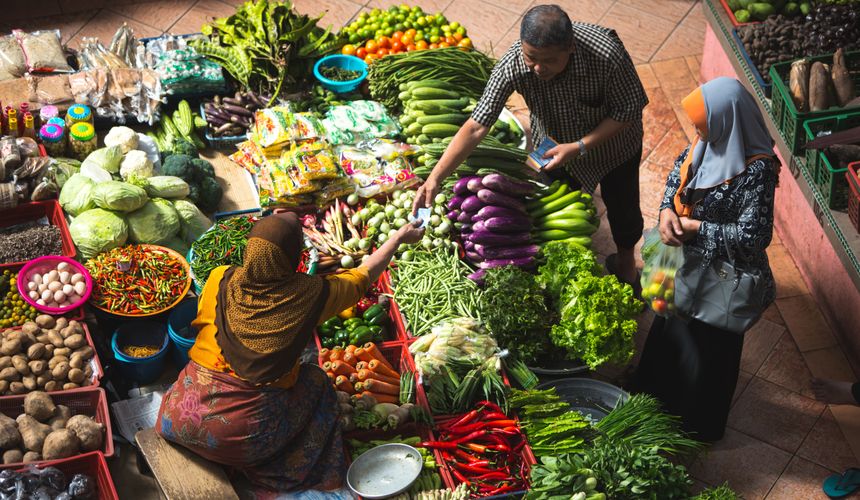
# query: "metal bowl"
(589, 397)
(385, 471)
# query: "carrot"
(376, 366)
(367, 374)
(359, 386)
(342, 383)
(331, 376)
(374, 351)
(327, 366)
(336, 354)
(342, 368)
(323, 356)
(361, 365)
(353, 377)
(350, 359)
(382, 398)
(351, 348)
(373, 385)
(364, 355)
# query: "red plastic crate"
(89, 401)
(854, 194)
(396, 316)
(731, 15)
(92, 464)
(35, 210)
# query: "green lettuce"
(564, 262)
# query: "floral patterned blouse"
(738, 213)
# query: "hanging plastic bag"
(658, 274)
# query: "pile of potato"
(46, 354)
(46, 431)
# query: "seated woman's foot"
(834, 392)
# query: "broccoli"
(201, 169)
(179, 165)
(210, 194)
(183, 147)
(193, 193)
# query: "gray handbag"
(719, 293)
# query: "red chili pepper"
(501, 423)
(471, 436)
(502, 448)
(495, 476)
(478, 448)
(508, 431)
(460, 477)
(503, 489)
(495, 438)
(495, 415)
(465, 456)
(519, 446)
(472, 469)
(444, 445)
(490, 405)
(466, 429)
(472, 415)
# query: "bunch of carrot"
(361, 370)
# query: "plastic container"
(53, 139)
(179, 328)
(141, 333)
(756, 73)
(829, 179)
(34, 211)
(92, 464)
(732, 17)
(344, 62)
(82, 140)
(854, 194)
(222, 143)
(79, 113)
(89, 401)
(48, 112)
(788, 120)
(43, 265)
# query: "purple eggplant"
(474, 185)
(453, 214)
(473, 256)
(492, 211)
(514, 252)
(504, 184)
(471, 204)
(460, 187)
(508, 224)
(488, 238)
(464, 217)
(478, 227)
(468, 246)
(478, 276)
(519, 262)
(490, 197)
(455, 202)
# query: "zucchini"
(405, 95)
(555, 205)
(407, 119)
(420, 93)
(431, 104)
(554, 234)
(183, 119)
(567, 213)
(574, 225)
(440, 84)
(439, 129)
(451, 118)
(414, 129)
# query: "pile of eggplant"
(231, 116)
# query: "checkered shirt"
(600, 81)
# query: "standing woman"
(245, 400)
(719, 195)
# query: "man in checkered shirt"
(583, 92)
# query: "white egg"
(32, 286)
(62, 266)
(40, 302)
(64, 276)
(75, 298)
(54, 286)
(51, 276)
(47, 294)
(34, 294)
(42, 287)
(65, 304)
(59, 297)
(80, 288)
(77, 278)
(68, 290)
(52, 304)
(37, 279)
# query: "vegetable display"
(223, 245)
(232, 115)
(429, 479)
(136, 279)
(490, 156)
(375, 411)
(177, 132)
(550, 424)
(412, 24)
(339, 240)
(746, 11)
(13, 310)
(383, 220)
(28, 241)
(433, 287)
(561, 214)
(339, 74)
(59, 287)
(372, 326)
(360, 370)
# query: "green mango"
(742, 16)
(791, 9)
(805, 8)
(760, 10)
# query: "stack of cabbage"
(140, 208)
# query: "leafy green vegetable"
(640, 422)
(564, 262)
(561, 477)
(514, 310)
(98, 230)
(597, 320)
(722, 492)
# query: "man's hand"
(671, 232)
(425, 195)
(560, 155)
(410, 233)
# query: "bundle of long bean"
(433, 287)
(222, 245)
(466, 70)
(136, 279)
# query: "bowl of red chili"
(137, 281)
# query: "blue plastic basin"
(341, 61)
(141, 370)
(180, 331)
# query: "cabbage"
(121, 196)
(136, 166)
(107, 159)
(76, 197)
(166, 186)
(95, 172)
(155, 222)
(192, 220)
(176, 243)
(98, 230)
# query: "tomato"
(371, 46)
(450, 40)
(659, 306)
(348, 50)
(383, 42)
(382, 52)
(410, 32)
(396, 36)
(444, 45)
(433, 46)
(361, 53)
(422, 45)
(370, 58)
(465, 43)
(396, 47)
(458, 36)
(410, 47)
(406, 39)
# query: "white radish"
(64, 276)
(80, 288)
(59, 297)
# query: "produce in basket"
(231, 116)
(13, 310)
(222, 245)
(339, 237)
(429, 479)
(404, 25)
(372, 326)
(49, 482)
(59, 287)
(383, 220)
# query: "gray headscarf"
(736, 131)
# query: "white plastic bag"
(658, 274)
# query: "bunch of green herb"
(598, 320)
(551, 425)
(514, 310)
(562, 477)
(722, 492)
(640, 422)
(565, 261)
(339, 74)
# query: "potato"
(75, 341)
(33, 433)
(19, 361)
(62, 351)
(39, 405)
(61, 416)
(88, 431)
(31, 327)
(5, 362)
(9, 374)
(70, 385)
(55, 338)
(43, 379)
(76, 375)
(32, 456)
(10, 437)
(38, 367)
(46, 321)
(17, 388)
(61, 323)
(36, 351)
(77, 361)
(10, 347)
(43, 338)
(4, 386)
(85, 351)
(52, 385)
(29, 382)
(60, 371)
(67, 332)
(49, 351)
(13, 456)
(61, 443)
(57, 360)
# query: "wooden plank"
(181, 474)
(239, 191)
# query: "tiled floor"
(780, 443)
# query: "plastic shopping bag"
(658, 275)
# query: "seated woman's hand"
(410, 233)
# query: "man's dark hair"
(546, 26)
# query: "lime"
(455, 25)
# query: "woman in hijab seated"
(245, 400)
(719, 202)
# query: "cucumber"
(431, 104)
(404, 96)
(421, 92)
(439, 84)
(407, 119)
(439, 129)
(422, 139)
(555, 205)
(577, 226)
(450, 118)
(579, 240)
(554, 234)
(414, 129)
(567, 213)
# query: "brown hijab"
(266, 310)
